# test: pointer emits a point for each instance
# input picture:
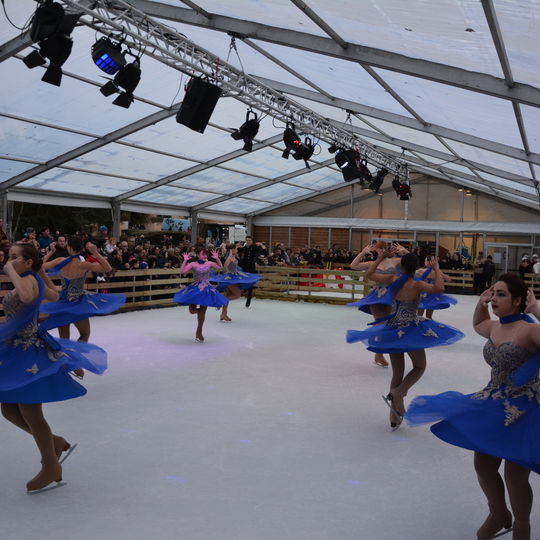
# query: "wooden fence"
(155, 288)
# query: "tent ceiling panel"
(280, 13)
(413, 135)
(239, 205)
(173, 195)
(504, 163)
(340, 78)
(531, 119)
(265, 162)
(74, 182)
(75, 104)
(219, 42)
(130, 162)
(9, 168)
(520, 26)
(484, 116)
(171, 137)
(279, 192)
(319, 179)
(218, 180)
(40, 143)
(508, 183)
(458, 36)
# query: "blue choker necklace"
(200, 261)
(516, 317)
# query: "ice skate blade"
(68, 453)
(380, 365)
(502, 533)
(390, 404)
(48, 488)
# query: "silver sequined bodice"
(406, 314)
(12, 305)
(232, 268)
(503, 359)
(201, 275)
(72, 289)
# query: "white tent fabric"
(454, 82)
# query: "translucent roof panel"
(341, 78)
(265, 162)
(470, 112)
(281, 13)
(218, 180)
(10, 168)
(531, 119)
(498, 161)
(32, 141)
(171, 137)
(279, 192)
(319, 179)
(218, 43)
(451, 32)
(173, 195)
(81, 183)
(520, 26)
(122, 160)
(74, 104)
(20, 13)
(508, 183)
(239, 206)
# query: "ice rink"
(273, 429)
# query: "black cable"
(24, 28)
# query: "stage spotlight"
(402, 189)
(468, 193)
(333, 148)
(352, 166)
(108, 56)
(248, 131)
(50, 29)
(291, 140)
(127, 78)
(376, 183)
(304, 151)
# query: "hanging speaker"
(198, 105)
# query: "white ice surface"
(273, 429)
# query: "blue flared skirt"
(504, 428)
(88, 305)
(201, 296)
(380, 294)
(38, 372)
(395, 339)
(243, 279)
(436, 301)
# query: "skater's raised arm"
(482, 322)
(532, 305)
(217, 264)
(377, 276)
(186, 267)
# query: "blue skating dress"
(75, 303)
(379, 294)
(404, 330)
(502, 419)
(200, 292)
(436, 300)
(234, 276)
(35, 366)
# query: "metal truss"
(175, 50)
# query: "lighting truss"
(175, 50)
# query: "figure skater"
(403, 331)
(75, 304)
(378, 301)
(431, 302)
(233, 281)
(34, 366)
(200, 292)
(501, 421)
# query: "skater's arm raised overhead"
(482, 322)
(438, 285)
(101, 266)
(532, 306)
(186, 267)
(51, 291)
(357, 263)
(372, 273)
(215, 256)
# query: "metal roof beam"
(453, 76)
(404, 121)
(197, 168)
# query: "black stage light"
(51, 28)
(376, 183)
(127, 78)
(247, 131)
(291, 140)
(108, 56)
(346, 160)
(304, 151)
(333, 148)
(402, 189)
(366, 175)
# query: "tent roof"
(451, 87)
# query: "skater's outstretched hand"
(531, 305)
(485, 297)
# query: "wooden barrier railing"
(533, 281)
(156, 288)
